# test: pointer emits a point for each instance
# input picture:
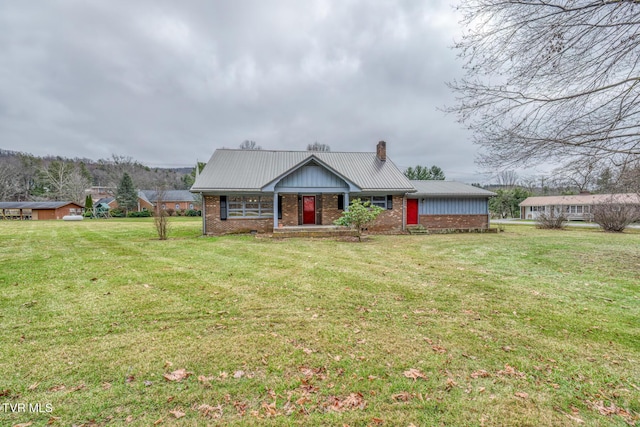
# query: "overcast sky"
(168, 82)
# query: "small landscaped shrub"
(116, 213)
(615, 217)
(170, 211)
(178, 212)
(140, 214)
(359, 215)
(192, 212)
(551, 220)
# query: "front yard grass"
(525, 327)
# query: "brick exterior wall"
(330, 211)
(289, 210)
(390, 221)
(215, 226)
(435, 222)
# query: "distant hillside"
(24, 176)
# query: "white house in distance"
(577, 207)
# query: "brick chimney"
(381, 151)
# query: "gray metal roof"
(438, 188)
(36, 205)
(251, 170)
(169, 196)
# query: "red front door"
(412, 211)
(308, 209)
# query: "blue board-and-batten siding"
(312, 176)
(453, 206)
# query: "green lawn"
(525, 327)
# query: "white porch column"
(346, 201)
(275, 209)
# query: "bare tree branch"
(551, 80)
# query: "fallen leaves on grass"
(23, 424)
(80, 386)
(238, 374)
(414, 374)
(209, 411)
(177, 375)
(480, 373)
(58, 387)
(352, 402)
(177, 413)
(403, 396)
(450, 384)
(510, 371)
(438, 349)
(611, 409)
(521, 394)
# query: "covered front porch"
(308, 210)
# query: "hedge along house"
(259, 190)
(444, 205)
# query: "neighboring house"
(260, 190)
(577, 207)
(39, 210)
(448, 205)
(170, 199)
(182, 200)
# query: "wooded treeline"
(24, 177)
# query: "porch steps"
(418, 229)
(313, 231)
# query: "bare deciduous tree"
(9, 179)
(316, 146)
(551, 80)
(249, 145)
(64, 181)
(507, 178)
(161, 216)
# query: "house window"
(381, 201)
(250, 207)
(164, 206)
(191, 206)
(177, 205)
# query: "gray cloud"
(169, 82)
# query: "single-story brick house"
(575, 207)
(260, 190)
(39, 210)
(182, 200)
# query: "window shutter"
(279, 207)
(389, 202)
(341, 202)
(223, 207)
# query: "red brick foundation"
(440, 222)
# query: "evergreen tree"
(126, 195)
(424, 173)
